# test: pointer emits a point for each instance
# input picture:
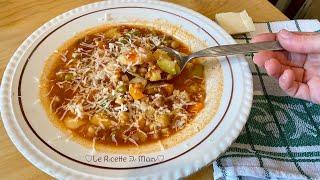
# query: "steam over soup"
(91, 93)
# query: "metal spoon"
(217, 51)
(224, 50)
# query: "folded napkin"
(281, 139)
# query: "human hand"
(297, 68)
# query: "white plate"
(46, 147)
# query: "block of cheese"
(235, 23)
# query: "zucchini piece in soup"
(197, 70)
(166, 63)
(168, 66)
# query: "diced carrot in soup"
(195, 107)
(136, 91)
(132, 56)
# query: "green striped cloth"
(281, 139)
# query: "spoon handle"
(233, 49)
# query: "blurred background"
(299, 9)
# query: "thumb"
(299, 42)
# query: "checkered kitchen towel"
(281, 139)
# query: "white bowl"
(51, 151)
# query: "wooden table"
(18, 19)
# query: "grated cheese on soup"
(94, 95)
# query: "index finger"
(264, 37)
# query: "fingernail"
(285, 34)
(284, 76)
(267, 64)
